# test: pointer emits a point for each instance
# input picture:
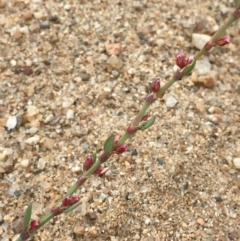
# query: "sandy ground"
(73, 72)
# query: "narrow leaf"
(148, 123)
(94, 156)
(27, 216)
(108, 145)
(71, 208)
(189, 68)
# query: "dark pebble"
(134, 153)
(160, 161)
(219, 199)
(45, 25)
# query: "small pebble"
(33, 140)
(41, 164)
(203, 66)
(79, 231)
(70, 114)
(236, 162)
(200, 221)
(44, 25)
(24, 163)
(11, 122)
(171, 102)
(27, 15)
(199, 40)
(32, 110)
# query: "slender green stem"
(123, 138)
(165, 87)
(140, 114)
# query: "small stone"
(234, 235)
(48, 143)
(171, 102)
(2, 4)
(84, 76)
(17, 34)
(79, 231)
(27, 15)
(199, 40)
(200, 221)
(70, 114)
(33, 130)
(91, 216)
(24, 163)
(32, 110)
(33, 140)
(207, 81)
(13, 62)
(49, 118)
(203, 66)
(114, 49)
(236, 162)
(3, 157)
(219, 199)
(44, 25)
(11, 122)
(67, 103)
(41, 164)
(93, 232)
(38, 15)
(115, 62)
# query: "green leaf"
(148, 123)
(94, 156)
(237, 3)
(72, 207)
(188, 69)
(108, 145)
(27, 216)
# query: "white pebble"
(67, 103)
(32, 110)
(33, 140)
(33, 130)
(11, 122)
(13, 62)
(236, 162)
(24, 163)
(41, 164)
(49, 118)
(203, 66)
(199, 40)
(171, 102)
(70, 114)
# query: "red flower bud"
(131, 130)
(67, 201)
(150, 98)
(208, 46)
(99, 170)
(34, 224)
(88, 163)
(120, 149)
(145, 117)
(182, 61)
(223, 41)
(156, 85)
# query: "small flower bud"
(120, 149)
(99, 170)
(150, 98)
(67, 201)
(223, 41)
(208, 46)
(88, 163)
(156, 85)
(145, 117)
(57, 211)
(236, 13)
(34, 224)
(131, 130)
(182, 61)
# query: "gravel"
(72, 73)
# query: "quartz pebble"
(33, 140)
(32, 110)
(11, 122)
(171, 102)
(203, 66)
(24, 163)
(199, 40)
(236, 162)
(70, 114)
(41, 163)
